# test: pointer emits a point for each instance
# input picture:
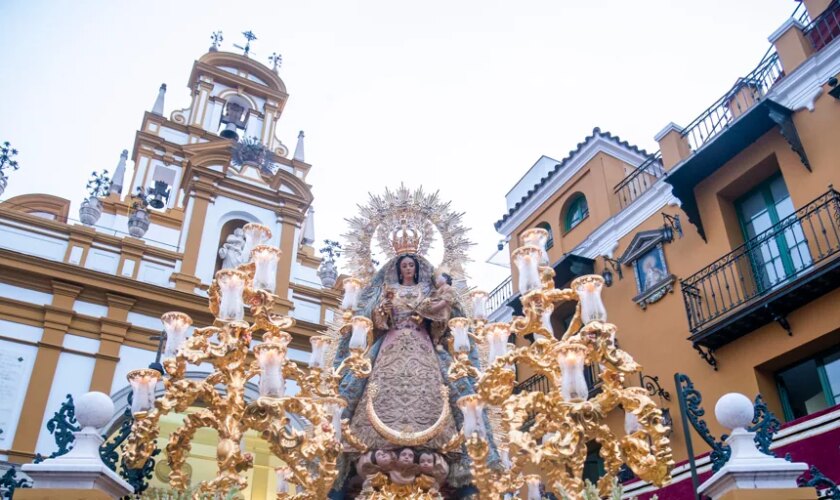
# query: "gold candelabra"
(549, 431)
(310, 453)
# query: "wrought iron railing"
(500, 295)
(742, 96)
(825, 28)
(537, 383)
(780, 255)
(639, 180)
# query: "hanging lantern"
(265, 258)
(527, 261)
(589, 289)
(176, 325)
(231, 288)
(143, 382)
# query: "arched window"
(576, 211)
(547, 227)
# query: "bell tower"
(216, 165)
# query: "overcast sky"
(460, 96)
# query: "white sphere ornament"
(734, 411)
(94, 409)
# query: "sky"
(457, 96)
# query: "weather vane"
(250, 37)
(217, 39)
(276, 60)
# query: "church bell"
(159, 195)
(230, 132)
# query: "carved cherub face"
(384, 458)
(407, 456)
(427, 462)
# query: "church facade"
(721, 251)
(80, 302)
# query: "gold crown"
(405, 240)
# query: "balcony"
(500, 295)
(825, 28)
(639, 180)
(763, 280)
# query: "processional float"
(541, 437)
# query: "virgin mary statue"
(405, 411)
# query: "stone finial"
(299, 148)
(82, 469)
(158, 107)
(748, 467)
(119, 174)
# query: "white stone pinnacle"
(299, 148)
(158, 107)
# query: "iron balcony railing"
(500, 295)
(639, 180)
(742, 96)
(778, 256)
(825, 28)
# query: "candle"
(143, 382)
(537, 237)
(231, 287)
(361, 327)
(527, 261)
(572, 359)
(546, 320)
(467, 406)
(319, 352)
(461, 341)
(335, 407)
(588, 289)
(271, 358)
(478, 299)
(631, 422)
(533, 483)
(255, 234)
(352, 286)
(175, 324)
(496, 337)
(265, 260)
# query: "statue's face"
(407, 269)
(427, 461)
(406, 456)
(383, 457)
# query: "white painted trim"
(801, 88)
(597, 145)
(781, 30)
(671, 126)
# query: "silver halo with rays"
(423, 212)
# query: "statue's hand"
(222, 253)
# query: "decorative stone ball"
(94, 409)
(734, 410)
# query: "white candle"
(571, 359)
(467, 406)
(282, 474)
(460, 336)
(255, 234)
(478, 299)
(265, 260)
(537, 237)
(361, 327)
(496, 337)
(527, 261)
(176, 325)
(143, 382)
(352, 286)
(318, 356)
(631, 422)
(533, 483)
(271, 359)
(588, 289)
(231, 287)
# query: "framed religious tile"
(647, 258)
